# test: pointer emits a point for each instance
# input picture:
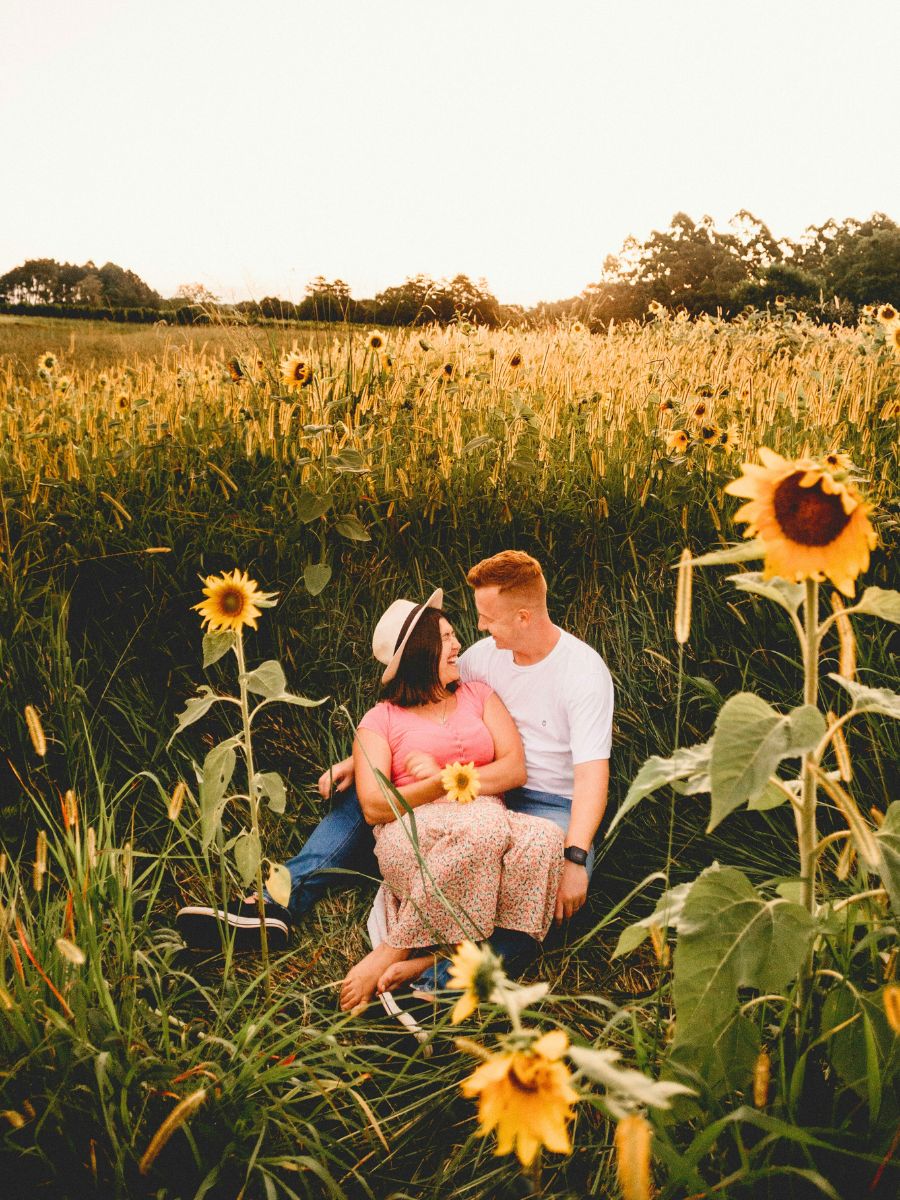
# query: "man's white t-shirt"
(562, 706)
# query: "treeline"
(828, 274)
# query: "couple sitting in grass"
(502, 753)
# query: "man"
(558, 691)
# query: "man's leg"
(340, 845)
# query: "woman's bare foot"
(359, 984)
(402, 972)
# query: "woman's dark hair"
(418, 680)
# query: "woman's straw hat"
(394, 629)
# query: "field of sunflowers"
(715, 506)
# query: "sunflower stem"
(254, 809)
(806, 815)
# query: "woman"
(491, 866)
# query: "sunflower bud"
(633, 1157)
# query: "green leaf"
(268, 680)
(194, 709)
(868, 699)
(348, 461)
(788, 595)
(749, 742)
(278, 884)
(880, 602)
(316, 577)
(771, 796)
(216, 646)
(887, 839)
(310, 507)
(247, 854)
(742, 552)
(300, 701)
(690, 764)
(271, 785)
(351, 527)
(625, 1085)
(666, 915)
(218, 769)
(730, 937)
(476, 443)
(865, 1052)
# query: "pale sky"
(252, 146)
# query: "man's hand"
(339, 777)
(422, 765)
(572, 892)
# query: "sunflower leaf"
(624, 1082)
(216, 646)
(218, 769)
(247, 853)
(271, 785)
(788, 595)
(194, 709)
(316, 577)
(351, 527)
(267, 680)
(740, 552)
(868, 699)
(666, 915)
(749, 742)
(690, 764)
(278, 884)
(310, 507)
(880, 602)
(887, 839)
(729, 938)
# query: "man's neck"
(542, 640)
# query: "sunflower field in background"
(722, 1019)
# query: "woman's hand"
(422, 765)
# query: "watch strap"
(576, 855)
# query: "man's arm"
(588, 806)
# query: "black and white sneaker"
(200, 925)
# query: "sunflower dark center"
(807, 515)
(527, 1084)
(231, 602)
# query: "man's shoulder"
(575, 647)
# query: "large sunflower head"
(812, 520)
(232, 602)
(710, 434)
(677, 442)
(460, 782)
(887, 313)
(893, 339)
(515, 360)
(728, 438)
(47, 360)
(375, 340)
(527, 1095)
(296, 370)
(235, 370)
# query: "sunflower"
(527, 1096)
(710, 435)
(729, 437)
(43, 374)
(232, 601)
(665, 405)
(577, 328)
(677, 442)
(893, 339)
(447, 370)
(296, 370)
(515, 360)
(813, 521)
(700, 410)
(887, 313)
(780, 302)
(476, 970)
(47, 361)
(123, 403)
(868, 310)
(63, 384)
(460, 782)
(655, 308)
(235, 370)
(375, 340)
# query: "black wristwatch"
(576, 855)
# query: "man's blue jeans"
(342, 845)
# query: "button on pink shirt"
(464, 738)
